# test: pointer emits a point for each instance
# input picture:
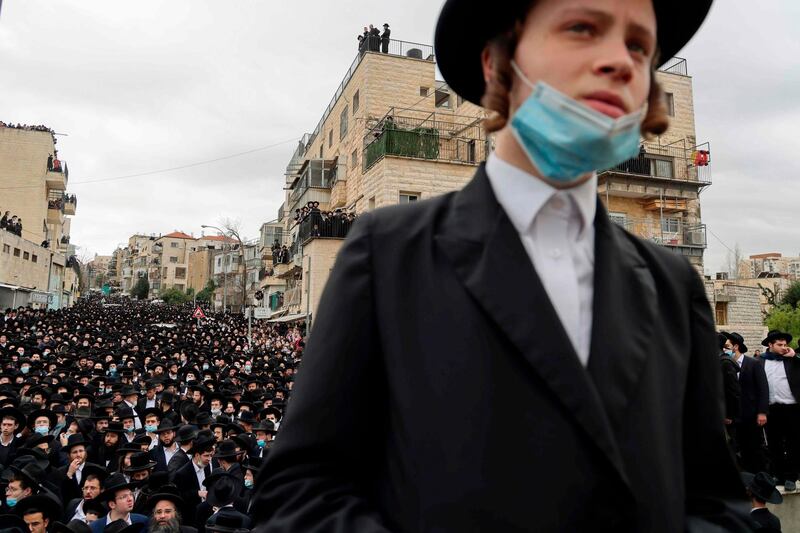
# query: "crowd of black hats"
(11, 223)
(372, 40)
(29, 127)
(314, 222)
(119, 415)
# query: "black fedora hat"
(226, 520)
(73, 526)
(33, 474)
(115, 426)
(223, 488)
(94, 506)
(735, 338)
(459, 40)
(151, 411)
(121, 526)
(186, 433)
(14, 413)
(92, 469)
(202, 444)
(252, 463)
(166, 425)
(44, 502)
(13, 523)
(36, 439)
(165, 492)
(76, 439)
(203, 418)
(776, 335)
(762, 486)
(226, 450)
(140, 461)
(113, 484)
(51, 416)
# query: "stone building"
(36, 267)
(657, 194)
(771, 264)
(169, 262)
(737, 307)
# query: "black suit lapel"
(488, 257)
(624, 294)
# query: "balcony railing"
(671, 232)
(315, 173)
(425, 136)
(335, 226)
(675, 161)
(676, 65)
(396, 48)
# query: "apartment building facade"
(37, 267)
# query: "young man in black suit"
(485, 360)
(754, 404)
(761, 489)
(189, 478)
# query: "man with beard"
(165, 516)
(72, 473)
(105, 455)
(166, 448)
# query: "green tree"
(785, 318)
(792, 296)
(141, 289)
(207, 292)
(174, 296)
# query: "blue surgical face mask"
(42, 430)
(261, 443)
(205, 366)
(11, 502)
(131, 429)
(247, 368)
(248, 483)
(729, 353)
(565, 139)
(25, 369)
(150, 429)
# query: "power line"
(720, 241)
(159, 171)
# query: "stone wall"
(743, 306)
(319, 255)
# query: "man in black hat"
(166, 448)
(754, 404)
(227, 521)
(71, 475)
(165, 511)
(385, 38)
(189, 478)
(24, 483)
(518, 335)
(224, 490)
(782, 368)
(118, 495)
(91, 486)
(185, 439)
(761, 489)
(141, 465)
(130, 397)
(11, 419)
(39, 512)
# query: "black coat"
(766, 520)
(185, 479)
(755, 389)
(440, 392)
(730, 386)
(178, 460)
(792, 367)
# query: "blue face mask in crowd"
(729, 353)
(247, 368)
(205, 366)
(565, 139)
(11, 502)
(150, 429)
(248, 483)
(25, 369)
(131, 429)
(261, 443)
(42, 430)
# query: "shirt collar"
(522, 195)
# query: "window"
(330, 138)
(669, 100)
(670, 225)
(407, 197)
(619, 218)
(165, 272)
(6, 249)
(173, 259)
(26, 256)
(354, 158)
(443, 99)
(423, 91)
(180, 273)
(179, 286)
(34, 258)
(16, 252)
(356, 102)
(173, 245)
(661, 167)
(343, 123)
(721, 312)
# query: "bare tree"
(734, 261)
(233, 230)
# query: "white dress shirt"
(200, 471)
(556, 228)
(170, 452)
(779, 390)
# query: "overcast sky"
(148, 85)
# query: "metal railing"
(666, 231)
(396, 48)
(317, 173)
(425, 135)
(676, 65)
(675, 161)
(331, 226)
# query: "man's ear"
(488, 65)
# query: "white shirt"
(137, 424)
(556, 228)
(79, 473)
(200, 471)
(168, 453)
(779, 391)
(79, 514)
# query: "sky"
(139, 87)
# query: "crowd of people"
(116, 414)
(11, 223)
(372, 40)
(762, 412)
(54, 163)
(314, 222)
(58, 203)
(27, 127)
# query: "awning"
(15, 287)
(289, 318)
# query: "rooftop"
(177, 235)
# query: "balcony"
(55, 211)
(313, 183)
(677, 168)
(57, 175)
(420, 135)
(70, 203)
(670, 232)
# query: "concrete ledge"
(788, 511)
